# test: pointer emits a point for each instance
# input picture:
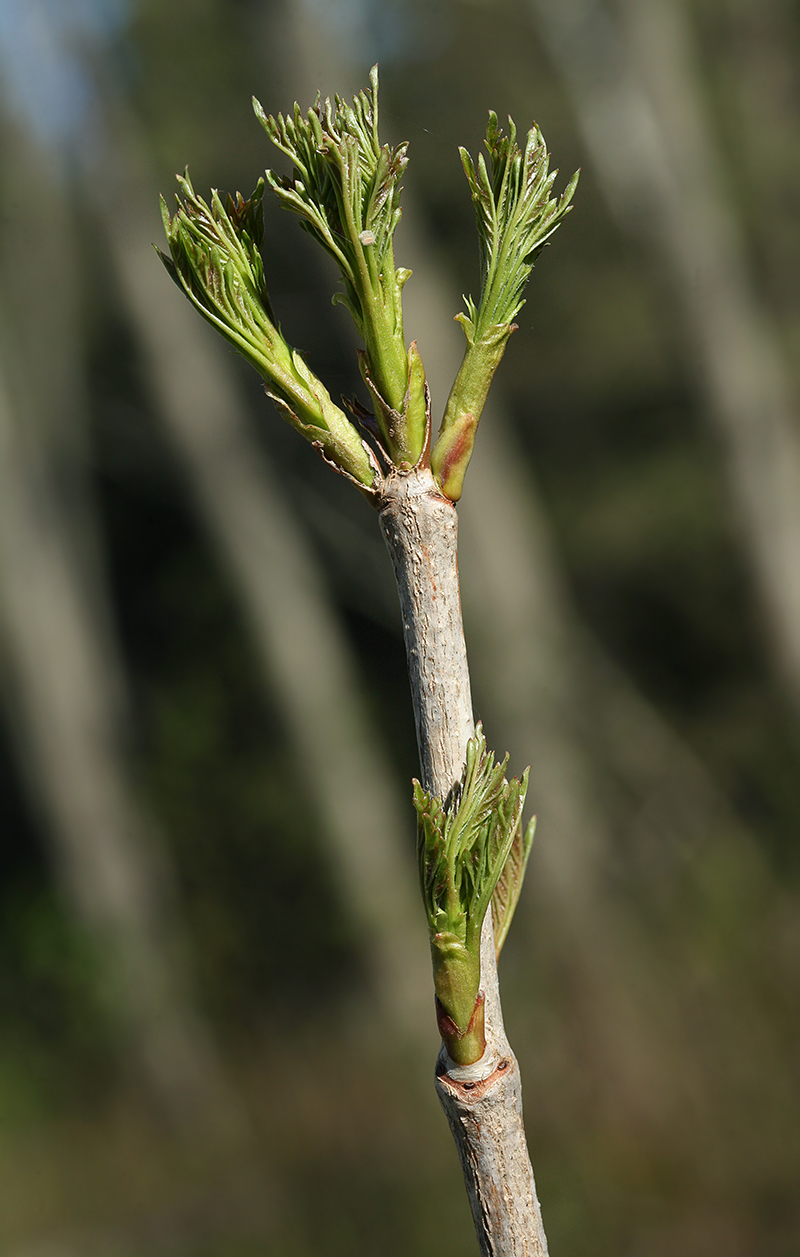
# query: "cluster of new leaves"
(516, 215)
(346, 184)
(346, 188)
(465, 845)
(215, 260)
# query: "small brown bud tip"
(452, 453)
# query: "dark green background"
(340, 1148)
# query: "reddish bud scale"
(467, 1046)
(453, 460)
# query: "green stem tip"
(472, 852)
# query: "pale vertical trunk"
(524, 628)
(539, 667)
(306, 661)
(64, 684)
(635, 86)
(604, 762)
(483, 1102)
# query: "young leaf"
(516, 215)
(464, 846)
(346, 189)
(214, 258)
(509, 884)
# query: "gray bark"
(420, 528)
(482, 1102)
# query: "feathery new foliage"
(465, 841)
(215, 260)
(346, 188)
(509, 884)
(516, 215)
(464, 848)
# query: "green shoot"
(464, 848)
(346, 189)
(215, 260)
(516, 215)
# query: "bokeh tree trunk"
(63, 678)
(608, 773)
(634, 79)
(306, 660)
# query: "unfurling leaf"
(509, 884)
(346, 189)
(516, 215)
(464, 847)
(215, 260)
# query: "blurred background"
(215, 1005)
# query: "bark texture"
(482, 1102)
(421, 530)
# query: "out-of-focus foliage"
(600, 381)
